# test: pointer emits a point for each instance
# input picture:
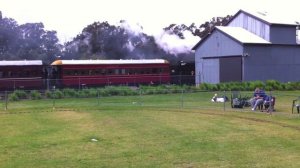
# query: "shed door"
(231, 69)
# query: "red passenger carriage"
(26, 74)
(79, 73)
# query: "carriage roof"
(95, 62)
(21, 63)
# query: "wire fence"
(134, 97)
(81, 82)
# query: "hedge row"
(250, 86)
(99, 92)
(147, 90)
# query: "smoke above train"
(102, 40)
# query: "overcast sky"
(69, 17)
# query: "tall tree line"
(99, 40)
(27, 41)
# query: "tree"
(9, 38)
(27, 41)
(37, 43)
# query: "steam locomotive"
(33, 74)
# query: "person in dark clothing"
(259, 97)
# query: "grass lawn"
(147, 131)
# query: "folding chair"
(269, 104)
(296, 103)
(234, 95)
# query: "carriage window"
(9, 74)
(12, 74)
(148, 71)
(1, 74)
(85, 72)
(116, 71)
(109, 71)
(101, 72)
(135, 71)
(70, 72)
(96, 72)
(123, 72)
(130, 71)
(27, 73)
(34, 73)
(154, 70)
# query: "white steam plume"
(133, 29)
(172, 44)
(166, 40)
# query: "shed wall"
(281, 34)
(251, 24)
(276, 62)
(216, 45)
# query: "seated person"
(252, 100)
(258, 98)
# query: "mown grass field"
(148, 131)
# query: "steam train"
(33, 74)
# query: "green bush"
(69, 92)
(81, 94)
(273, 85)
(177, 89)
(255, 84)
(35, 95)
(114, 91)
(21, 94)
(56, 94)
(287, 86)
(17, 95)
(208, 86)
(246, 86)
(296, 85)
(126, 91)
(13, 97)
(87, 93)
(48, 94)
(103, 93)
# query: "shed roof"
(269, 17)
(94, 62)
(21, 63)
(237, 33)
(242, 35)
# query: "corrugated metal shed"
(252, 46)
